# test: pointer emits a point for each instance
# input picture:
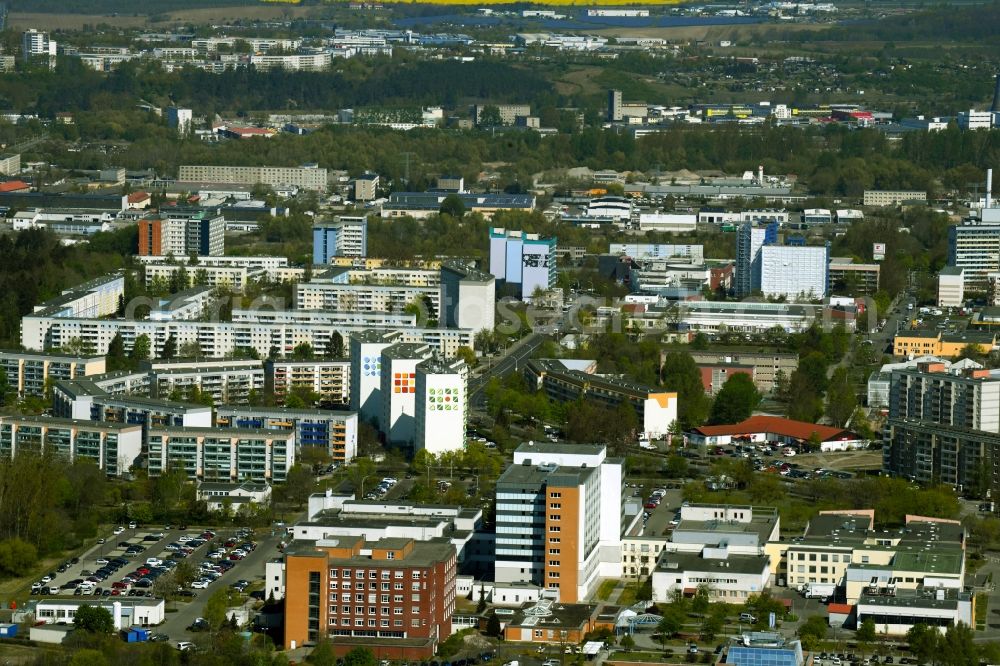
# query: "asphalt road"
(513, 360)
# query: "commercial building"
(222, 454)
(125, 612)
(366, 187)
(183, 234)
(847, 277)
(526, 262)
(399, 391)
(693, 253)
(508, 113)
(406, 621)
(749, 241)
(442, 404)
(421, 205)
(893, 197)
(38, 45)
(936, 343)
(895, 613)
(307, 177)
(29, 373)
(113, 447)
(730, 577)
(951, 287)
(330, 380)
(343, 237)
(549, 622)
(560, 518)
(220, 495)
(974, 247)
(794, 272)
(777, 430)
(563, 381)
(765, 366)
(753, 317)
(334, 432)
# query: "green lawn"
(605, 589)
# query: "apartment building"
(366, 187)
(441, 406)
(563, 382)
(36, 44)
(385, 291)
(222, 454)
(293, 62)
(892, 197)
(230, 277)
(307, 178)
(345, 236)
(30, 373)
(951, 287)
(399, 391)
(693, 253)
(113, 447)
(85, 400)
(765, 366)
(750, 238)
(508, 112)
(468, 298)
(366, 372)
(267, 263)
(974, 247)
(394, 596)
(880, 381)
(330, 380)
(560, 518)
(961, 397)
(335, 432)
(229, 381)
(183, 234)
(181, 120)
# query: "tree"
(957, 647)
(812, 631)
(672, 622)
(360, 470)
(677, 467)
(490, 116)
(302, 351)
(323, 654)
(840, 398)
(94, 620)
(627, 643)
(467, 355)
(866, 634)
(140, 348)
(216, 607)
(190, 349)
(335, 349)
(711, 625)
(169, 348)
(115, 358)
(493, 627)
(299, 484)
(736, 400)
(923, 642)
(453, 206)
(680, 373)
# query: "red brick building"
(393, 596)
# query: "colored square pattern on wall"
(372, 366)
(404, 382)
(443, 400)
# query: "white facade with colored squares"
(399, 391)
(441, 406)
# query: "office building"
(638, 251)
(936, 343)
(560, 518)
(125, 612)
(366, 187)
(951, 287)
(30, 373)
(222, 454)
(113, 447)
(441, 406)
(10, 164)
(343, 237)
(851, 279)
(974, 120)
(522, 262)
(182, 234)
(366, 373)
(407, 622)
(568, 381)
(731, 577)
(893, 197)
(468, 298)
(794, 272)
(37, 45)
(329, 379)
(399, 391)
(749, 241)
(334, 432)
(306, 177)
(180, 120)
(614, 106)
(765, 366)
(974, 246)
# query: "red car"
(651, 505)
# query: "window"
(385, 610)
(359, 597)
(385, 575)
(397, 611)
(385, 598)
(555, 505)
(397, 574)
(371, 622)
(397, 586)
(333, 585)
(346, 609)
(397, 623)
(553, 574)
(555, 516)
(554, 551)
(359, 586)
(415, 587)
(555, 495)
(553, 563)
(416, 575)
(360, 573)
(415, 622)
(415, 610)
(371, 610)
(554, 528)
(359, 622)
(391, 555)
(333, 573)
(385, 586)
(555, 540)
(384, 623)
(397, 598)
(373, 574)
(346, 596)
(347, 573)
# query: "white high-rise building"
(366, 373)
(441, 405)
(560, 518)
(399, 391)
(37, 44)
(180, 120)
(974, 246)
(794, 271)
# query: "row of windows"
(360, 610)
(346, 585)
(361, 598)
(360, 622)
(375, 574)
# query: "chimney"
(989, 186)
(760, 174)
(995, 108)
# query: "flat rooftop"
(735, 563)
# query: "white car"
(184, 646)
(200, 584)
(119, 530)
(154, 561)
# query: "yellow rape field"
(547, 3)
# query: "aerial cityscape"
(385, 333)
